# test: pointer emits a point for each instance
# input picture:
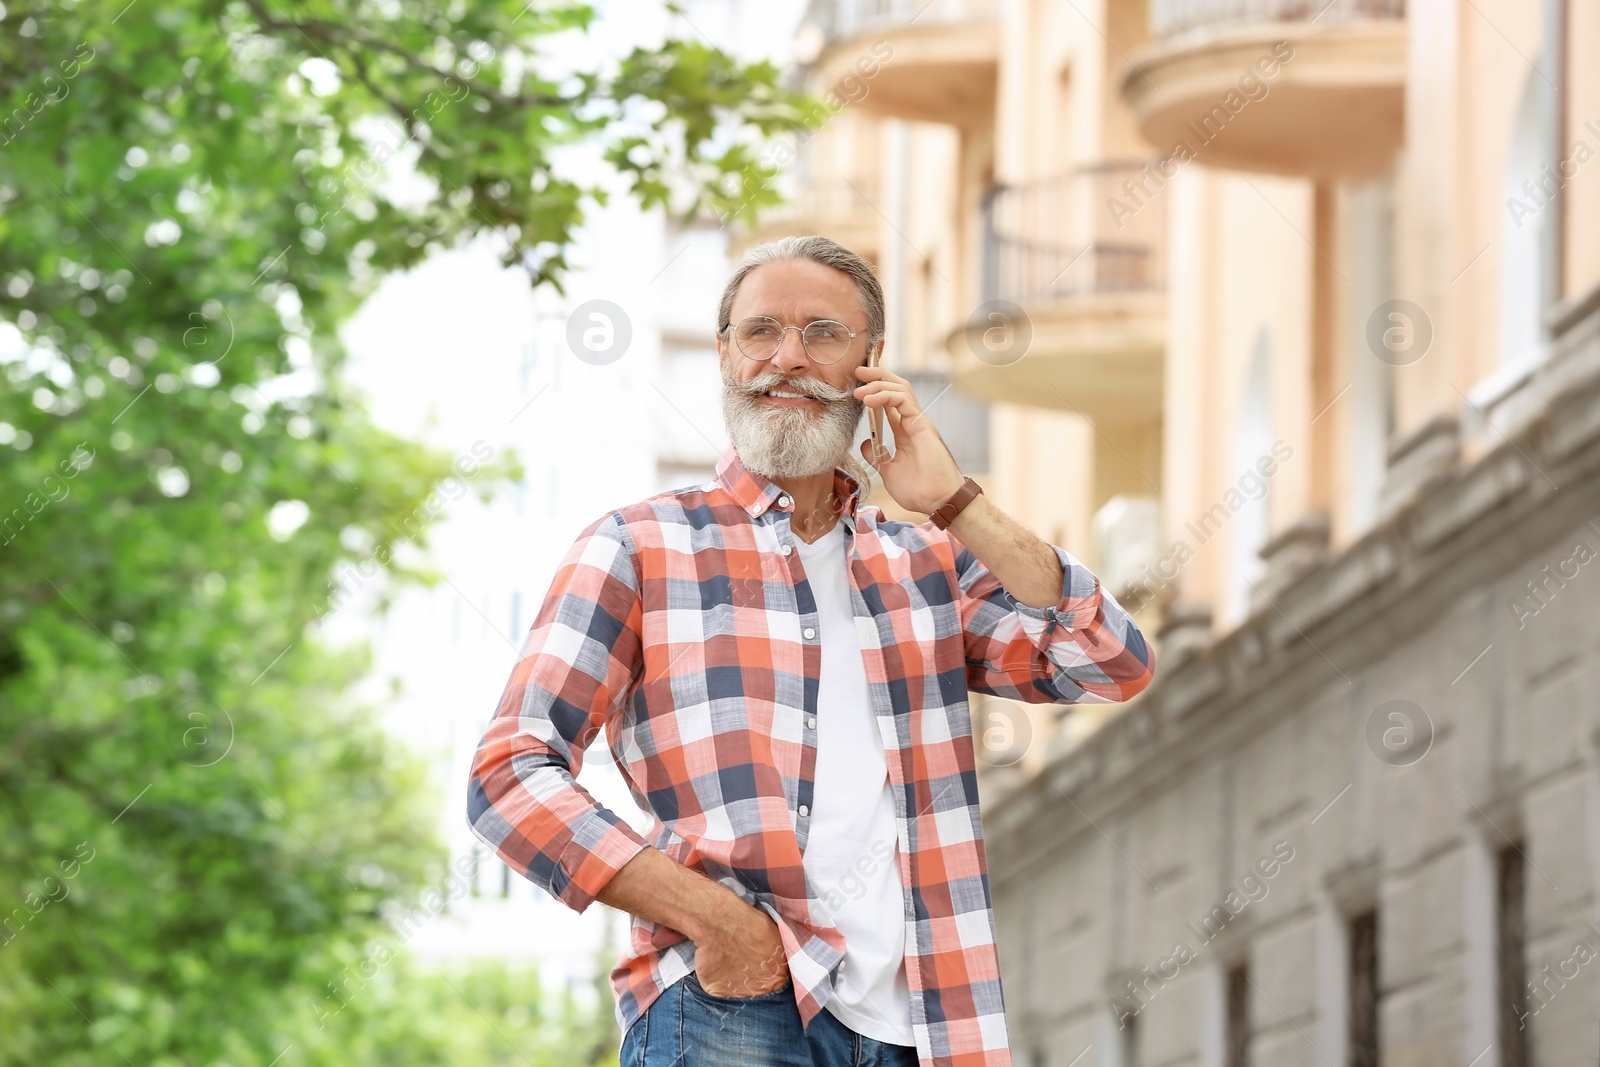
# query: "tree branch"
(341, 36)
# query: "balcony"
(836, 208)
(922, 60)
(1083, 258)
(1309, 88)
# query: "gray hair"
(818, 250)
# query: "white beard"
(783, 442)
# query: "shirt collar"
(757, 493)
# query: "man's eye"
(823, 333)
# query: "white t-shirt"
(852, 855)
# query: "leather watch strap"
(946, 513)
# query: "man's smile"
(789, 397)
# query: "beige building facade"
(1284, 315)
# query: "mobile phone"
(875, 414)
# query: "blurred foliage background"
(201, 836)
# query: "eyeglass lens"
(759, 337)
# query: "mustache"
(809, 386)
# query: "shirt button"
(783, 501)
(804, 810)
(785, 550)
(811, 722)
(809, 633)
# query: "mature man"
(782, 675)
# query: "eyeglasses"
(760, 336)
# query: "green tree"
(484, 1013)
(198, 830)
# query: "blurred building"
(1284, 315)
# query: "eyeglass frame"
(731, 331)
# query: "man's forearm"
(1020, 560)
(738, 948)
(653, 886)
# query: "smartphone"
(875, 414)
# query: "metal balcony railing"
(1095, 231)
(843, 19)
(1168, 17)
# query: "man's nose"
(791, 358)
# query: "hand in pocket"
(745, 957)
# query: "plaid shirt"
(685, 627)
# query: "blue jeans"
(688, 1027)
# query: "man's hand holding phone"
(922, 474)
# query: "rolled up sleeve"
(576, 670)
(1083, 649)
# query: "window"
(1252, 441)
(1238, 1017)
(1511, 956)
(1130, 1041)
(1060, 136)
(1524, 229)
(1364, 990)
(1370, 235)
(963, 422)
(525, 366)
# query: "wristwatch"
(947, 512)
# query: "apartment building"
(1285, 316)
